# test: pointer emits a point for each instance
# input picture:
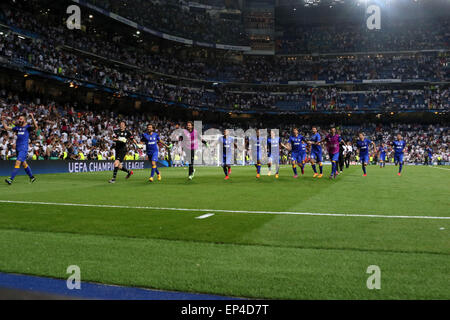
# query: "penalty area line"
(222, 211)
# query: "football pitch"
(270, 238)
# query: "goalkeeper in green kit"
(121, 138)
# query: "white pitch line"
(205, 216)
(440, 168)
(224, 211)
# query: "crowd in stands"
(68, 132)
(404, 36)
(334, 100)
(178, 19)
(431, 66)
(47, 56)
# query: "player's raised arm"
(136, 143)
(5, 125)
(36, 127)
(114, 136)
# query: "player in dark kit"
(341, 162)
(121, 138)
(22, 129)
(255, 146)
(399, 146)
(228, 147)
(363, 146)
(428, 156)
(298, 151)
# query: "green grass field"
(244, 254)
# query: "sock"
(333, 167)
(302, 167)
(314, 168)
(400, 168)
(321, 168)
(294, 168)
(225, 170)
(364, 168)
(269, 166)
(28, 171)
(153, 172)
(258, 168)
(157, 171)
(115, 172)
(15, 172)
(191, 169)
(278, 169)
(125, 170)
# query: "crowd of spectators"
(47, 56)
(70, 132)
(412, 35)
(178, 19)
(430, 66)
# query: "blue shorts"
(398, 158)
(382, 157)
(317, 156)
(22, 155)
(364, 158)
(153, 156)
(334, 157)
(302, 157)
(298, 157)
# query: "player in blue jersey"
(382, 155)
(295, 141)
(22, 129)
(151, 140)
(228, 147)
(273, 153)
(428, 155)
(316, 152)
(255, 143)
(399, 146)
(303, 156)
(363, 145)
